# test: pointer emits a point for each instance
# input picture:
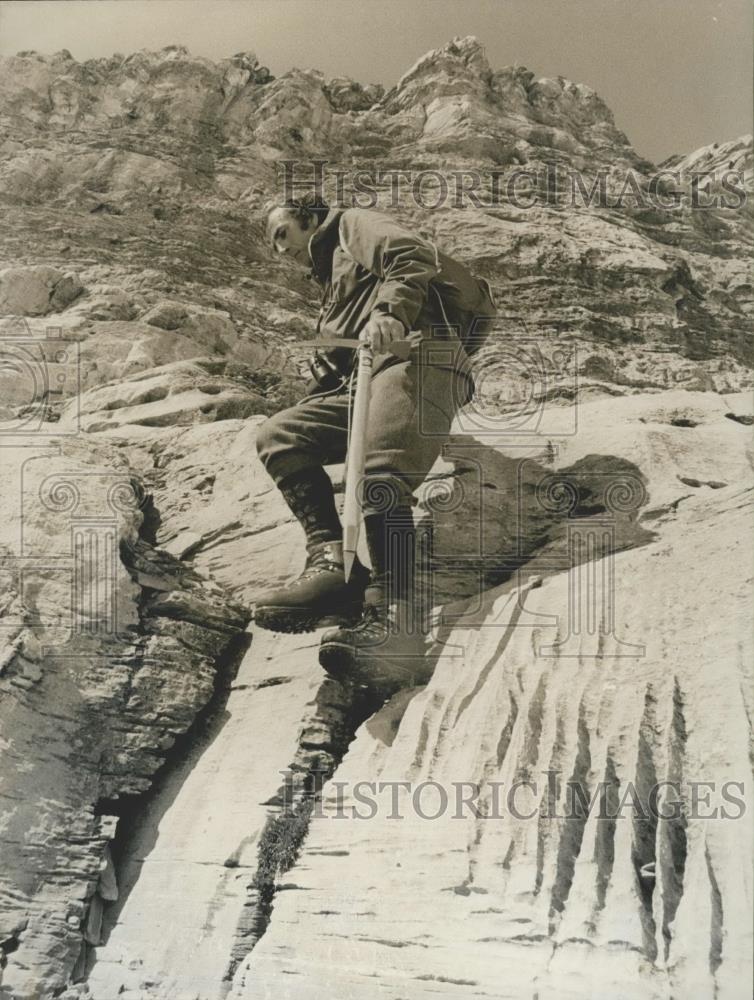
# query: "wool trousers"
(410, 412)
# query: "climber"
(387, 286)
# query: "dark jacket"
(366, 261)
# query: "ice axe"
(400, 348)
(356, 452)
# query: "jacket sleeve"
(405, 263)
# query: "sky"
(677, 74)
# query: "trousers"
(410, 413)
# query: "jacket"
(366, 261)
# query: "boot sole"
(279, 619)
(337, 660)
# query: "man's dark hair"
(308, 204)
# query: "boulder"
(36, 291)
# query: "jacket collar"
(322, 244)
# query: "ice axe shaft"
(401, 348)
(355, 457)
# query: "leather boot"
(384, 651)
(320, 596)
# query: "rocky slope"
(162, 833)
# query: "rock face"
(110, 649)
(178, 788)
(533, 895)
(144, 178)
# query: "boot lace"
(321, 562)
(317, 569)
(373, 620)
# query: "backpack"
(462, 300)
(473, 317)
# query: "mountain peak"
(467, 52)
(732, 154)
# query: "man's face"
(287, 235)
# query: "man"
(410, 302)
